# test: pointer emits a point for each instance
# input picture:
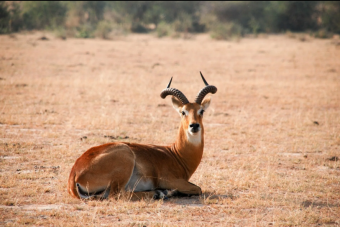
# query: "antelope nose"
(194, 127)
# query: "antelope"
(164, 170)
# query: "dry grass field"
(272, 132)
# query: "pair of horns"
(178, 94)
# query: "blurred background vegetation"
(223, 20)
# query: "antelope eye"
(183, 113)
(201, 112)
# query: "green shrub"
(85, 12)
(271, 16)
(249, 15)
(60, 32)
(331, 16)
(108, 30)
(4, 19)
(322, 34)
(183, 23)
(103, 30)
(85, 31)
(138, 28)
(43, 14)
(298, 16)
(226, 31)
(163, 29)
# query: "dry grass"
(272, 131)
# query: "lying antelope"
(164, 170)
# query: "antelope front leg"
(180, 187)
(156, 194)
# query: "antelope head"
(191, 113)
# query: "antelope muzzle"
(194, 127)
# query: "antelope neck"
(187, 153)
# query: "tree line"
(88, 19)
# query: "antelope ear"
(176, 104)
(206, 102)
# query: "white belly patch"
(138, 183)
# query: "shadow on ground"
(205, 198)
(309, 203)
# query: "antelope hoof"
(159, 194)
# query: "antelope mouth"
(194, 131)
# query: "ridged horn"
(174, 92)
(206, 90)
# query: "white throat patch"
(195, 139)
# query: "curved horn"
(206, 90)
(174, 92)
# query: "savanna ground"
(272, 132)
